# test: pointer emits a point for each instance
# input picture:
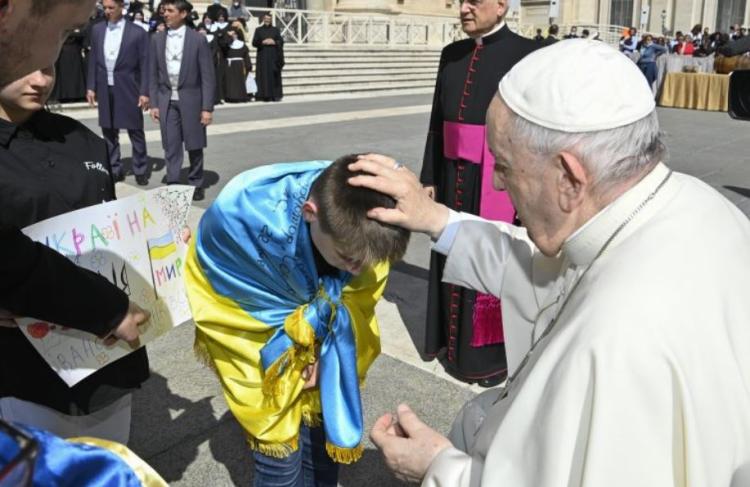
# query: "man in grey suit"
(118, 80)
(182, 92)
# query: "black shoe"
(118, 177)
(199, 194)
(142, 180)
(492, 381)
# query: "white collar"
(116, 25)
(176, 32)
(237, 44)
(583, 245)
(499, 26)
(220, 25)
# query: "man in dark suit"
(118, 79)
(182, 92)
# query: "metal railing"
(337, 28)
(315, 27)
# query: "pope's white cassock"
(645, 379)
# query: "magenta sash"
(469, 143)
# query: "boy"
(283, 276)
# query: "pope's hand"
(415, 209)
(408, 445)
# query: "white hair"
(612, 156)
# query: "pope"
(625, 307)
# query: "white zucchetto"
(577, 85)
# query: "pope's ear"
(573, 182)
(309, 211)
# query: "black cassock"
(268, 64)
(219, 44)
(464, 328)
(235, 72)
(70, 68)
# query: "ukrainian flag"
(162, 247)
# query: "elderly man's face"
(530, 182)
(480, 16)
(29, 43)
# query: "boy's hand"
(310, 374)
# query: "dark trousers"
(649, 71)
(173, 152)
(137, 141)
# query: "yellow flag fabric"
(230, 340)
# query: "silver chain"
(567, 295)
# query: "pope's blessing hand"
(415, 209)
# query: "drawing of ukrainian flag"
(161, 247)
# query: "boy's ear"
(309, 211)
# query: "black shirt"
(49, 166)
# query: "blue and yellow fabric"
(263, 314)
(82, 461)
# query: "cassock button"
(51, 163)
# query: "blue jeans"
(309, 466)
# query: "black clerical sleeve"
(433, 151)
(39, 282)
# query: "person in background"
(269, 62)
(585, 34)
(685, 46)
(182, 100)
(552, 33)
(216, 9)
(156, 18)
(629, 42)
(52, 165)
(678, 37)
(539, 37)
(464, 329)
(70, 68)
(134, 7)
(118, 84)
(696, 34)
(735, 32)
(647, 61)
(238, 11)
(237, 68)
(138, 20)
(573, 34)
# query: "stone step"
(359, 65)
(374, 54)
(359, 59)
(328, 80)
(359, 49)
(290, 72)
(356, 87)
